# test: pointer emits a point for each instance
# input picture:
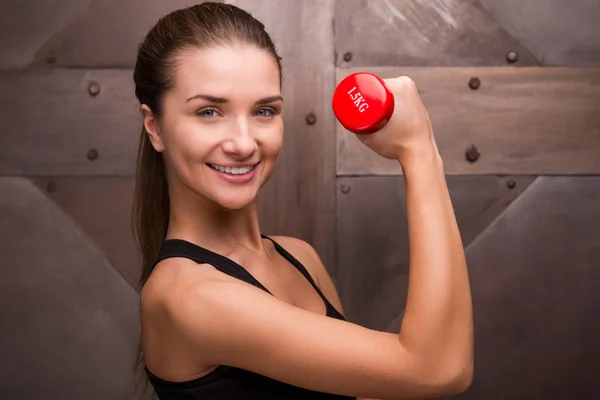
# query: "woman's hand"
(408, 134)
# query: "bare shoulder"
(173, 283)
(308, 256)
(179, 295)
(172, 278)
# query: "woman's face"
(221, 129)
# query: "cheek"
(273, 141)
(189, 141)
(186, 148)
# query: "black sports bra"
(224, 382)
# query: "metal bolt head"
(50, 187)
(311, 119)
(345, 189)
(472, 154)
(93, 89)
(512, 56)
(92, 154)
(511, 184)
(348, 56)
(474, 83)
(51, 60)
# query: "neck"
(202, 221)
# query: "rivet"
(311, 119)
(93, 89)
(92, 154)
(474, 83)
(50, 187)
(472, 154)
(345, 189)
(512, 56)
(51, 59)
(511, 184)
(348, 56)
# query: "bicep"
(238, 325)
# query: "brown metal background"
(516, 118)
(528, 207)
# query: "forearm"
(438, 321)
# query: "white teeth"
(232, 170)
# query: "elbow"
(458, 381)
(450, 378)
(463, 381)
(456, 370)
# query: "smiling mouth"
(233, 170)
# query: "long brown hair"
(204, 25)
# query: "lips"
(240, 174)
(232, 170)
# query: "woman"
(228, 313)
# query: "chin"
(235, 201)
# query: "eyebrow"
(221, 100)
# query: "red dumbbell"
(363, 103)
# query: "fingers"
(401, 85)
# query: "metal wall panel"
(535, 275)
(106, 34)
(417, 33)
(101, 207)
(69, 321)
(68, 122)
(26, 25)
(532, 250)
(557, 32)
(530, 120)
(373, 243)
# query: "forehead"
(227, 71)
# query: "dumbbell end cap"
(362, 103)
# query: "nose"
(240, 142)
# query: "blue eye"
(213, 112)
(207, 113)
(266, 112)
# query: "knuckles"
(403, 84)
(406, 81)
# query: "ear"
(152, 128)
